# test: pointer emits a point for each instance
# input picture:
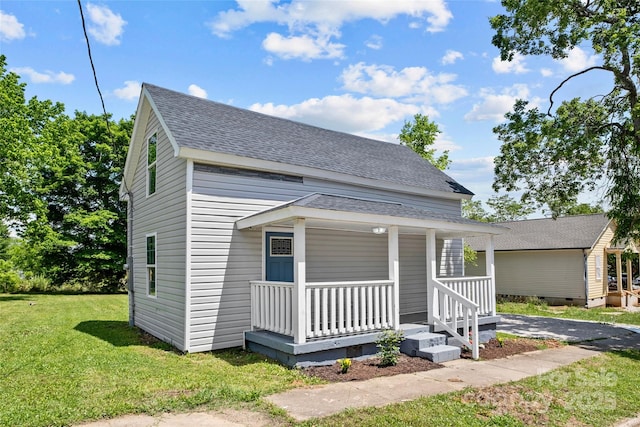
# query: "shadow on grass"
(9, 297)
(119, 334)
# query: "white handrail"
(479, 289)
(349, 307)
(271, 306)
(453, 311)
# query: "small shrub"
(39, 283)
(389, 347)
(533, 300)
(345, 364)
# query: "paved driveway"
(588, 334)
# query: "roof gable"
(198, 124)
(570, 232)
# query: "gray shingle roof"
(570, 232)
(363, 206)
(206, 125)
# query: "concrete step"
(440, 353)
(421, 341)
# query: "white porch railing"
(340, 308)
(332, 308)
(480, 290)
(271, 304)
(453, 311)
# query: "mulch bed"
(370, 368)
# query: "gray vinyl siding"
(338, 255)
(163, 213)
(224, 260)
(413, 274)
(450, 256)
(545, 274)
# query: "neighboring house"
(240, 221)
(563, 260)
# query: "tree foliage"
(556, 155)
(419, 135)
(60, 186)
(503, 208)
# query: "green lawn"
(71, 358)
(608, 315)
(68, 358)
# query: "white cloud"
(130, 91)
(451, 56)
(196, 90)
(303, 47)
(546, 72)
(374, 42)
(474, 173)
(516, 65)
(577, 60)
(344, 113)
(10, 28)
(45, 77)
(415, 82)
(107, 26)
(495, 105)
(314, 25)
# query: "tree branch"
(595, 67)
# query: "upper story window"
(152, 148)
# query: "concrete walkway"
(322, 401)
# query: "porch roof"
(334, 211)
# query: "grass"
(595, 392)
(71, 358)
(540, 308)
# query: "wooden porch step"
(429, 345)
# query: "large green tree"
(59, 188)
(579, 143)
(420, 135)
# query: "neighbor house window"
(152, 147)
(151, 265)
(598, 267)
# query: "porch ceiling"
(346, 213)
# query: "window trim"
(153, 165)
(271, 238)
(149, 266)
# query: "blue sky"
(358, 66)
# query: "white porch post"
(299, 281)
(394, 273)
(491, 271)
(619, 270)
(431, 272)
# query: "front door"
(279, 256)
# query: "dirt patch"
(370, 368)
(529, 406)
(497, 349)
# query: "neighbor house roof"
(351, 209)
(570, 232)
(204, 125)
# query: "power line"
(93, 69)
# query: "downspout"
(586, 279)
(132, 304)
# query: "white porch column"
(431, 272)
(394, 272)
(619, 270)
(629, 275)
(491, 271)
(299, 281)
